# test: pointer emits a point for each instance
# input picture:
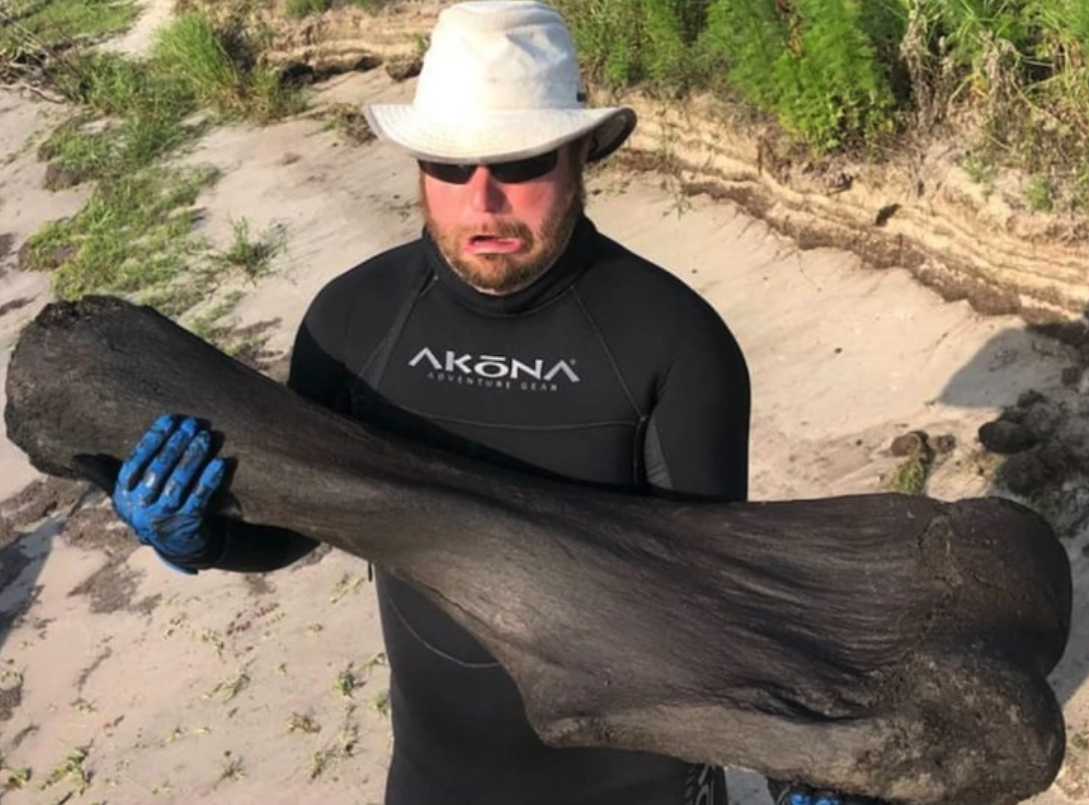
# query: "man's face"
(499, 237)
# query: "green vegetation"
(17, 778)
(29, 27)
(980, 169)
(134, 236)
(219, 66)
(909, 478)
(131, 236)
(71, 770)
(303, 8)
(1040, 194)
(304, 723)
(849, 73)
(298, 9)
(252, 256)
(380, 703)
(346, 681)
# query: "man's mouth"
(493, 244)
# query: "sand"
(271, 689)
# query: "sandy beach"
(122, 681)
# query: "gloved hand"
(795, 794)
(164, 486)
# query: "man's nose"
(486, 193)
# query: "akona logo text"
(494, 367)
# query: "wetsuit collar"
(570, 265)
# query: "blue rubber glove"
(164, 486)
(795, 794)
(803, 796)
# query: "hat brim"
(499, 136)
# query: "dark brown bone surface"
(885, 645)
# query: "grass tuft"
(220, 68)
(231, 768)
(230, 687)
(190, 49)
(253, 256)
(304, 723)
(380, 703)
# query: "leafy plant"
(810, 62)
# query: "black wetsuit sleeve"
(247, 548)
(317, 373)
(697, 438)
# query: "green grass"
(219, 68)
(110, 84)
(26, 26)
(252, 256)
(191, 49)
(129, 117)
(132, 235)
(346, 681)
(80, 150)
(133, 238)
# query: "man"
(514, 331)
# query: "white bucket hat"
(500, 81)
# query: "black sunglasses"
(516, 172)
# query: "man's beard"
(507, 273)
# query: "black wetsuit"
(608, 370)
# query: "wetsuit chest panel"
(539, 387)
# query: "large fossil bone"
(886, 645)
